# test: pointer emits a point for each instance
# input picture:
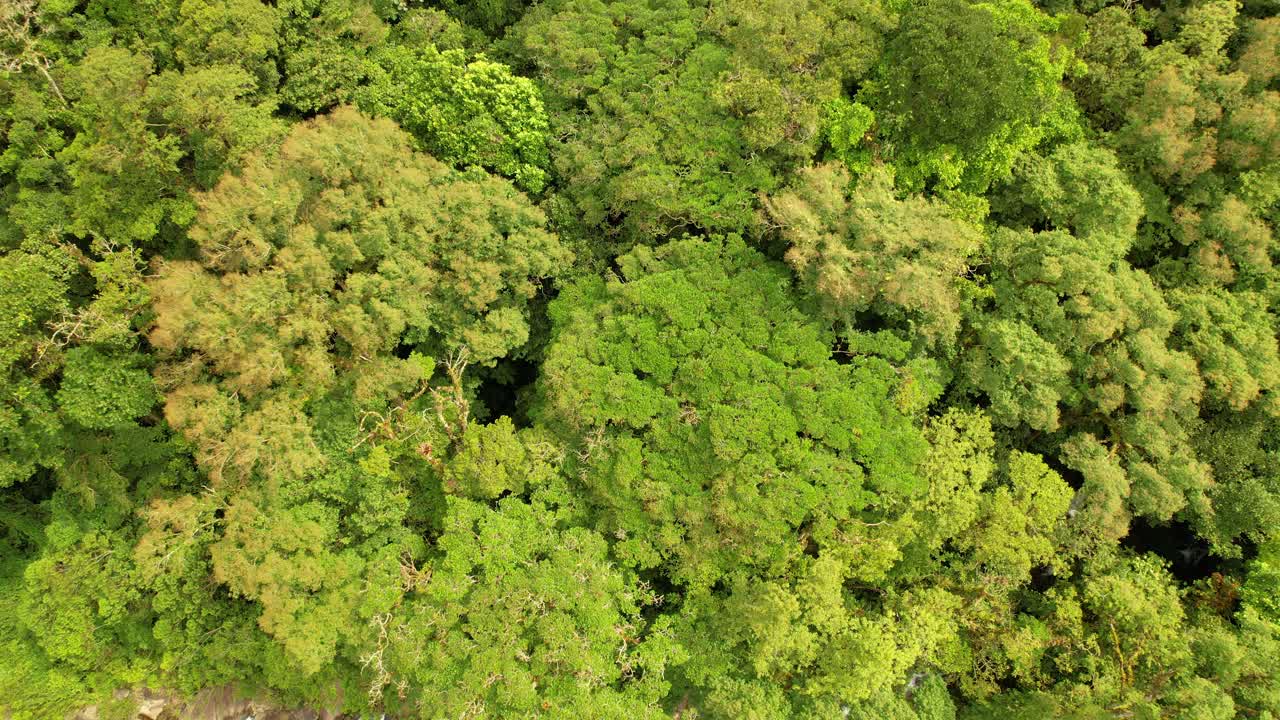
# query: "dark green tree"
(964, 88)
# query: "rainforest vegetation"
(624, 359)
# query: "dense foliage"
(901, 359)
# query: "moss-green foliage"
(489, 16)
(520, 617)
(1088, 341)
(1242, 450)
(494, 460)
(687, 359)
(323, 51)
(1080, 188)
(120, 164)
(669, 114)
(33, 293)
(99, 391)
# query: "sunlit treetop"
(713, 422)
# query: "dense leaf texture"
(686, 359)
(717, 425)
(315, 264)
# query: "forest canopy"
(746, 359)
